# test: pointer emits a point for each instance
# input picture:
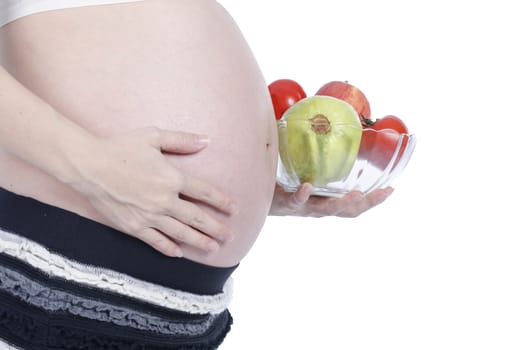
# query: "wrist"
(76, 152)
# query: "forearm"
(35, 132)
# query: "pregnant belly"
(179, 65)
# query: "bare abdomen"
(177, 65)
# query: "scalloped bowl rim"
(385, 176)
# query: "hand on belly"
(145, 196)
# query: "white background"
(443, 263)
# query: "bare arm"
(109, 171)
(36, 133)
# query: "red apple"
(348, 93)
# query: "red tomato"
(379, 141)
(390, 122)
(285, 93)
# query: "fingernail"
(233, 208)
(226, 235)
(176, 253)
(203, 140)
(213, 246)
(306, 192)
(388, 191)
(230, 237)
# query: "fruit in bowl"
(330, 141)
(284, 94)
(379, 147)
(376, 147)
(319, 140)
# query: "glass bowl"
(373, 160)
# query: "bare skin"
(153, 118)
(119, 70)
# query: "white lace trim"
(6, 346)
(58, 266)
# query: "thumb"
(301, 196)
(181, 142)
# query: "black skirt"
(67, 282)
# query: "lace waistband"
(55, 265)
(53, 233)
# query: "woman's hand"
(133, 185)
(301, 203)
(127, 178)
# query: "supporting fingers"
(208, 194)
(160, 242)
(377, 197)
(192, 215)
(324, 206)
(181, 232)
(369, 201)
(301, 196)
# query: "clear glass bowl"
(381, 157)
